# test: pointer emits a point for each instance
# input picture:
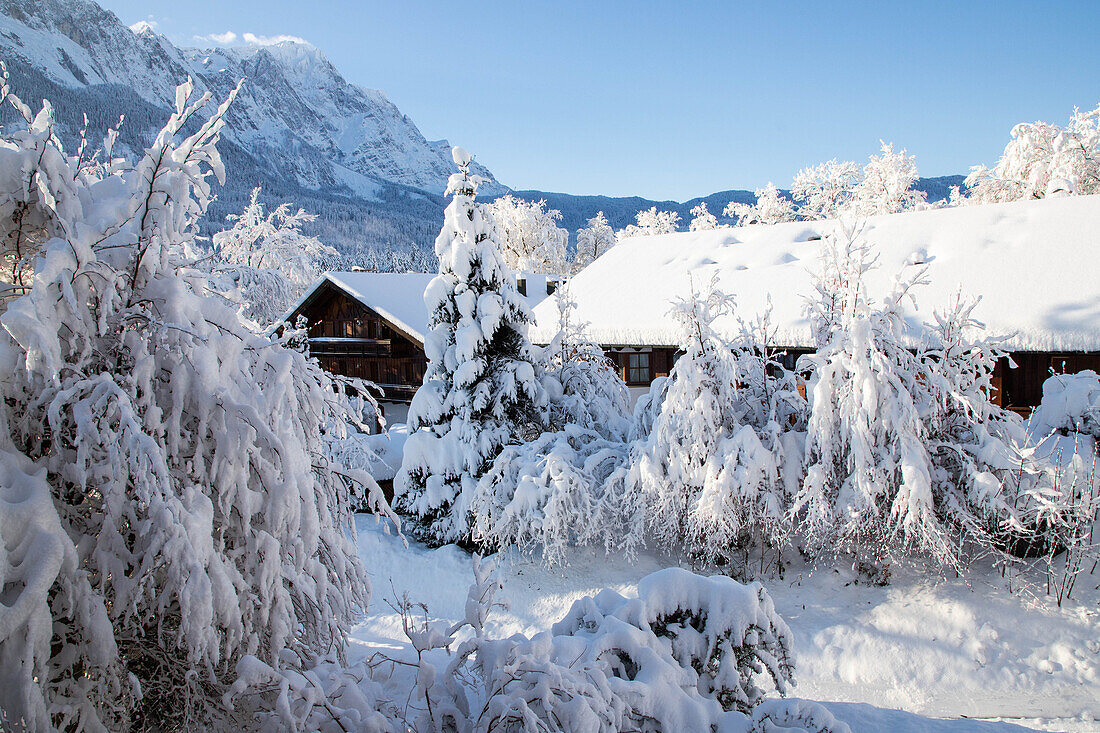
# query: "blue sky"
(681, 99)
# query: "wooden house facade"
(353, 339)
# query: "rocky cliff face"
(298, 128)
(296, 114)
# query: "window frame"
(639, 367)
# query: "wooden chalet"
(371, 325)
(1034, 264)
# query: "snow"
(1071, 402)
(1045, 250)
(399, 297)
(946, 649)
(388, 447)
(42, 38)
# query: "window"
(521, 285)
(637, 368)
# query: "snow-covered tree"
(702, 220)
(887, 185)
(825, 190)
(593, 240)
(1043, 159)
(905, 452)
(530, 239)
(698, 412)
(708, 474)
(650, 222)
(549, 493)
(170, 512)
(771, 207)
(482, 387)
(267, 258)
(741, 515)
(593, 395)
(1077, 155)
(985, 475)
(865, 459)
(35, 170)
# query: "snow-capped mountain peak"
(296, 116)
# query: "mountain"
(298, 128)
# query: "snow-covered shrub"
(549, 494)
(267, 259)
(1067, 425)
(1070, 404)
(1042, 160)
(905, 451)
(647, 408)
(168, 505)
(482, 387)
(728, 633)
(650, 222)
(593, 395)
(702, 220)
(709, 471)
(783, 716)
(689, 653)
(771, 207)
(593, 240)
(36, 180)
(986, 481)
(328, 697)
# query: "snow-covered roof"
(399, 297)
(1036, 265)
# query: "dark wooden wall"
(660, 363)
(350, 339)
(1021, 389)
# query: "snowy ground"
(937, 649)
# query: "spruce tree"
(482, 387)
